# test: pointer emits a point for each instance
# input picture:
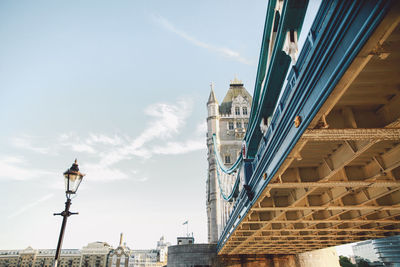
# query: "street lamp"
(72, 178)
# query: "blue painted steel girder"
(338, 33)
(265, 98)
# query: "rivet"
(297, 121)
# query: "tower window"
(238, 124)
(244, 110)
(230, 126)
(237, 111)
(227, 159)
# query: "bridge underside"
(341, 182)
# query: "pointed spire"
(212, 98)
(120, 239)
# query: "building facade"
(150, 257)
(96, 254)
(30, 257)
(365, 251)
(388, 250)
(228, 121)
(379, 252)
(119, 257)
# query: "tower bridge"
(320, 160)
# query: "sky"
(122, 86)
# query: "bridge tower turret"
(228, 121)
(213, 199)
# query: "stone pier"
(205, 255)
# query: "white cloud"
(15, 168)
(179, 147)
(97, 172)
(101, 173)
(201, 128)
(81, 147)
(65, 136)
(142, 179)
(75, 143)
(224, 51)
(31, 205)
(104, 139)
(11, 160)
(175, 148)
(166, 120)
(25, 142)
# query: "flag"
(185, 222)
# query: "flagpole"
(187, 227)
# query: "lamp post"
(72, 178)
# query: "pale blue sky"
(122, 86)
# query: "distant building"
(365, 250)
(30, 257)
(145, 258)
(96, 254)
(388, 250)
(150, 257)
(119, 257)
(9, 258)
(380, 252)
(162, 248)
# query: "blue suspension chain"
(219, 160)
(235, 167)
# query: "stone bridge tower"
(228, 122)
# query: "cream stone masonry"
(228, 122)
